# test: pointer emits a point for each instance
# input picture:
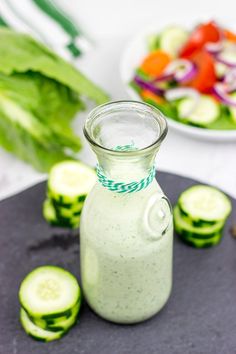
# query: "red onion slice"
(226, 62)
(148, 86)
(182, 92)
(220, 90)
(164, 77)
(182, 70)
(230, 80)
(227, 56)
(214, 47)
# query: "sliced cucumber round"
(197, 243)
(59, 200)
(37, 332)
(64, 325)
(71, 181)
(61, 217)
(197, 223)
(232, 110)
(172, 39)
(206, 111)
(73, 212)
(49, 212)
(49, 292)
(184, 228)
(205, 203)
(153, 42)
(58, 323)
(73, 312)
(220, 69)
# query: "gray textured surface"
(200, 317)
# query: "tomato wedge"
(205, 77)
(203, 34)
(155, 63)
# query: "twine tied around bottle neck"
(122, 187)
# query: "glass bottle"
(126, 232)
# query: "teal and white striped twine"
(47, 22)
(122, 187)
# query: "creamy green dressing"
(126, 273)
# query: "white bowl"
(131, 59)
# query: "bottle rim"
(128, 105)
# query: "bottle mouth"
(125, 127)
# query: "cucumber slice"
(197, 243)
(232, 110)
(73, 212)
(64, 325)
(49, 212)
(60, 217)
(220, 69)
(59, 201)
(36, 332)
(68, 222)
(206, 111)
(172, 39)
(196, 223)
(73, 312)
(71, 181)
(186, 229)
(51, 321)
(153, 42)
(60, 324)
(49, 292)
(205, 203)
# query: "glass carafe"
(126, 233)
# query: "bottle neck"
(124, 168)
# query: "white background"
(111, 25)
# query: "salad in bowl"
(191, 77)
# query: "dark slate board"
(200, 317)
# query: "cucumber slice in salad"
(183, 228)
(36, 332)
(49, 292)
(205, 203)
(172, 39)
(70, 181)
(206, 111)
(232, 110)
(153, 42)
(220, 69)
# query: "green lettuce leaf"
(21, 53)
(25, 136)
(52, 101)
(40, 94)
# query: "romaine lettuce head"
(40, 94)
